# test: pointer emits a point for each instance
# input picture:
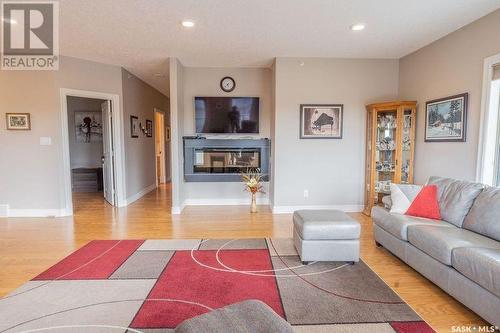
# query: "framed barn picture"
(446, 119)
(18, 121)
(321, 121)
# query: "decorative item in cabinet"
(390, 146)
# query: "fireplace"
(224, 160)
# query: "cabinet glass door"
(407, 146)
(385, 152)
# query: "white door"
(108, 157)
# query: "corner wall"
(449, 66)
(330, 169)
(176, 72)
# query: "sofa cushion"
(397, 224)
(480, 265)
(484, 216)
(455, 198)
(439, 242)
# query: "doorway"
(92, 158)
(90, 134)
(160, 147)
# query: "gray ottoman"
(325, 235)
(243, 317)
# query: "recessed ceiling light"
(11, 21)
(357, 27)
(187, 24)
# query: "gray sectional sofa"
(461, 252)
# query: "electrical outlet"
(306, 193)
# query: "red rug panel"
(412, 327)
(96, 260)
(186, 280)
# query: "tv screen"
(227, 114)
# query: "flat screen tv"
(227, 115)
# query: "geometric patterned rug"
(151, 286)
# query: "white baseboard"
(224, 202)
(176, 210)
(291, 209)
(140, 194)
(37, 213)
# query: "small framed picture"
(134, 127)
(18, 121)
(149, 128)
(321, 121)
(446, 119)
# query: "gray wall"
(140, 100)
(83, 155)
(332, 170)
(23, 186)
(254, 82)
(449, 66)
(37, 190)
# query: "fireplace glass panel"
(226, 160)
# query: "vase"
(253, 206)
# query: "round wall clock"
(227, 84)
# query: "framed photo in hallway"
(446, 119)
(321, 121)
(134, 127)
(18, 121)
(149, 128)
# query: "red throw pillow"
(425, 204)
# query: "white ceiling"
(140, 35)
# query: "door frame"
(164, 164)
(118, 149)
(482, 154)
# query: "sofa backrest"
(484, 216)
(455, 198)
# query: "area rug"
(153, 285)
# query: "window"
(489, 152)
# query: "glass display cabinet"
(390, 145)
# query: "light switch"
(45, 141)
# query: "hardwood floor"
(30, 245)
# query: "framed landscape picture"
(18, 121)
(446, 119)
(321, 121)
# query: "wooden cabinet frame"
(373, 111)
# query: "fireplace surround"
(223, 160)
